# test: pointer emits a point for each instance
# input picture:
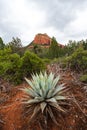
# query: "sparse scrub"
(78, 60)
(83, 78)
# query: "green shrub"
(10, 69)
(4, 67)
(31, 63)
(83, 78)
(47, 61)
(4, 54)
(78, 60)
(4, 60)
(13, 73)
(13, 68)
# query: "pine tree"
(53, 49)
(1, 43)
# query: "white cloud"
(66, 20)
(24, 20)
(77, 29)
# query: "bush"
(47, 61)
(13, 73)
(10, 69)
(31, 63)
(83, 78)
(78, 60)
(13, 68)
(4, 60)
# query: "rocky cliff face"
(42, 39)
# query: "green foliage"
(78, 60)
(31, 63)
(13, 72)
(2, 45)
(13, 68)
(9, 65)
(83, 43)
(43, 53)
(53, 49)
(83, 78)
(39, 50)
(15, 45)
(56, 50)
(47, 61)
(72, 46)
(5, 60)
(44, 95)
(5, 53)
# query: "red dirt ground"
(11, 108)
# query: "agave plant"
(45, 95)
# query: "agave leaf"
(38, 79)
(53, 87)
(58, 89)
(51, 100)
(29, 82)
(34, 115)
(42, 83)
(64, 90)
(41, 93)
(39, 98)
(50, 79)
(37, 89)
(55, 105)
(42, 86)
(45, 87)
(52, 115)
(35, 78)
(41, 76)
(35, 83)
(51, 76)
(45, 75)
(30, 92)
(33, 101)
(29, 110)
(43, 106)
(25, 96)
(39, 85)
(55, 81)
(25, 90)
(49, 82)
(60, 97)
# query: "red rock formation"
(42, 39)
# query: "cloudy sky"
(64, 19)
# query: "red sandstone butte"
(42, 39)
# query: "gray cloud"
(60, 12)
(24, 18)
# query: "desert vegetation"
(55, 94)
